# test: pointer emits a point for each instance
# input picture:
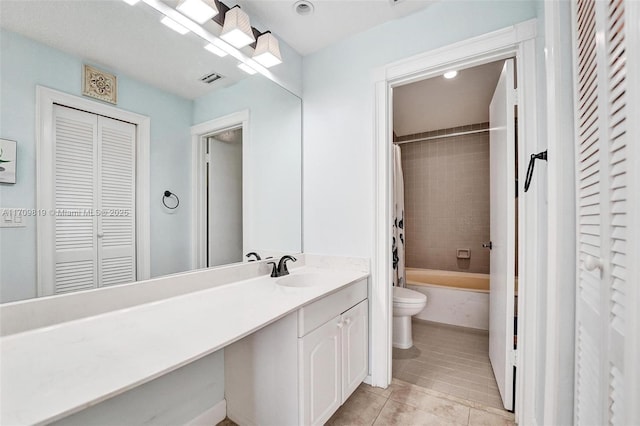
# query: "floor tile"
(398, 414)
(484, 418)
(446, 409)
(362, 408)
(449, 359)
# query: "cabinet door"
(355, 348)
(320, 372)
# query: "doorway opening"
(454, 212)
(223, 180)
(220, 188)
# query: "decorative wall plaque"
(100, 85)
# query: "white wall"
(338, 114)
(273, 152)
(338, 98)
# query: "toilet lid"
(404, 295)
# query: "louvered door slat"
(117, 201)
(75, 179)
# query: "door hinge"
(207, 158)
(515, 97)
(514, 358)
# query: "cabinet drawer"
(317, 313)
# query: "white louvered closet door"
(75, 177)
(116, 202)
(94, 201)
(600, 111)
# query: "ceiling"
(124, 39)
(438, 103)
(332, 20)
(130, 39)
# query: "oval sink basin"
(301, 280)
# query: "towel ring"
(169, 194)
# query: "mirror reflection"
(88, 206)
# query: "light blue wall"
(25, 64)
(338, 113)
(272, 166)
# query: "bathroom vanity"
(309, 328)
(300, 369)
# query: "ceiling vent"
(210, 78)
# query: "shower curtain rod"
(470, 132)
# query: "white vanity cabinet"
(333, 362)
(300, 369)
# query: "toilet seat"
(405, 296)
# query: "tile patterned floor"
(449, 359)
(405, 404)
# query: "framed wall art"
(8, 150)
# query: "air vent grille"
(210, 78)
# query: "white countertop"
(49, 373)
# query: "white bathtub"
(456, 298)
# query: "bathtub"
(456, 298)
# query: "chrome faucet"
(253, 253)
(280, 269)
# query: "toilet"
(406, 303)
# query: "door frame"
(45, 100)
(515, 41)
(199, 133)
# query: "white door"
(71, 257)
(502, 222)
(321, 372)
(355, 348)
(91, 204)
(603, 376)
(116, 197)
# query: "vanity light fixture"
(131, 2)
(216, 50)
(267, 51)
(237, 29)
(450, 74)
(199, 10)
(246, 68)
(174, 25)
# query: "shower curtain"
(398, 219)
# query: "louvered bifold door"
(75, 200)
(600, 114)
(116, 202)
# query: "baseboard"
(212, 416)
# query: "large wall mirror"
(221, 157)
